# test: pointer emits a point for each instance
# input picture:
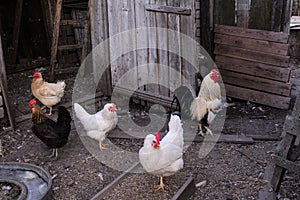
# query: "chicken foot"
(208, 131)
(161, 186)
(101, 145)
(54, 153)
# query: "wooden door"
(157, 25)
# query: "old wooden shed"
(247, 39)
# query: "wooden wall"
(128, 15)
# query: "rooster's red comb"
(36, 74)
(157, 137)
(32, 102)
(214, 71)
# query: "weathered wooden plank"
(174, 44)
(257, 97)
(86, 35)
(162, 54)
(100, 195)
(286, 164)
(224, 12)
(73, 22)
(1, 99)
(187, 27)
(253, 68)
(287, 16)
(253, 33)
(168, 9)
(243, 8)
(152, 56)
(1, 112)
(260, 14)
(55, 36)
(253, 44)
(206, 24)
(252, 82)
(99, 34)
(3, 86)
(192, 137)
(277, 15)
(69, 47)
(252, 55)
(186, 190)
(16, 32)
(141, 19)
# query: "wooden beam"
(16, 32)
(260, 14)
(253, 68)
(73, 22)
(55, 37)
(86, 35)
(69, 47)
(243, 8)
(186, 190)
(286, 164)
(257, 83)
(252, 55)
(168, 9)
(258, 97)
(100, 195)
(3, 86)
(252, 43)
(253, 33)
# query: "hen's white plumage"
(99, 124)
(167, 158)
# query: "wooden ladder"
(285, 156)
(55, 36)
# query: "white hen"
(163, 158)
(99, 124)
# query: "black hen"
(53, 134)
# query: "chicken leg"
(54, 153)
(208, 131)
(161, 186)
(101, 145)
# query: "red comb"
(31, 102)
(36, 74)
(157, 137)
(214, 71)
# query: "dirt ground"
(229, 171)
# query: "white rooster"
(99, 124)
(163, 158)
(208, 103)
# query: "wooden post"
(260, 14)
(16, 33)
(242, 13)
(55, 37)
(3, 86)
(86, 33)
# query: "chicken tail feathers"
(64, 121)
(80, 112)
(61, 86)
(198, 108)
(175, 124)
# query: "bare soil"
(231, 171)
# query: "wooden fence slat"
(242, 13)
(253, 68)
(262, 84)
(258, 97)
(260, 14)
(253, 33)
(253, 44)
(168, 9)
(252, 55)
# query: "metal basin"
(34, 181)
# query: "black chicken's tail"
(64, 121)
